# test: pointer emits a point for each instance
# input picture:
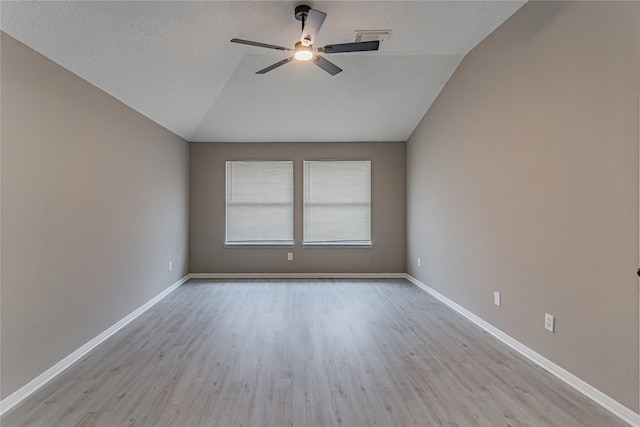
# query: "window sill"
(258, 245)
(338, 245)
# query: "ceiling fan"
(304, 51)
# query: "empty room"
(319, 213)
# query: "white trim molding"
(31, 387)
(297, 275)
(588, 390)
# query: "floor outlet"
(549, 322)
(290, 256)
(496, 298)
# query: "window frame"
(336, 244)
(258, 243)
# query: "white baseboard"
(588, 390)
(297, 275)
(25, 391)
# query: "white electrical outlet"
(549, 322)
(290, 256)
(419, 262)
(496, 298)
(170, 266)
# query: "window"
(259, 203)
(337, 202)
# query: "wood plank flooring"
(304, 353)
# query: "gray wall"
(523, 178)
(207, 213)
(94, 206)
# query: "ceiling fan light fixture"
(303, 55)
(302, 52)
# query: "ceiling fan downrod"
(301, 13)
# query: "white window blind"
(259, 203)
(337, 202)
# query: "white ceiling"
(172, 61)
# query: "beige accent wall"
(207, 213)
(523, 179)
(94, 206)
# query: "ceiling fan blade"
(350, 47)
(274, 66)
(312, 25)
(258, 44)
(326, 65)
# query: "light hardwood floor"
(304, 353)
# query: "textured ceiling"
(172, 61)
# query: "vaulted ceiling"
(172, 61)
